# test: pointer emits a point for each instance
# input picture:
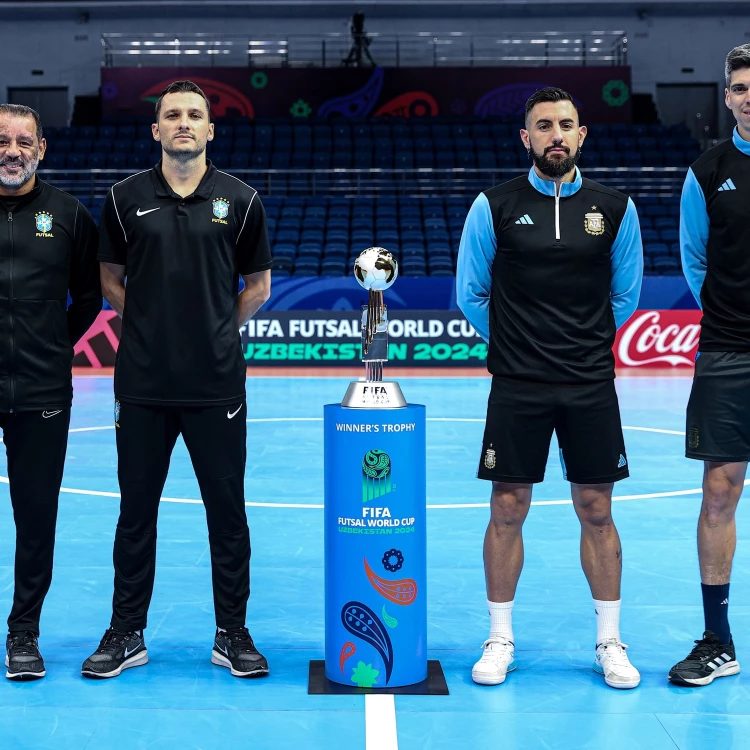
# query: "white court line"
(380, 722)
(437, 506)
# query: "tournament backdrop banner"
(602, 93)
(651, 338)
(419, 338)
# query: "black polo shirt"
(180, 343)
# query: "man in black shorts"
(183, 233)
(715, 245)
(550, 265)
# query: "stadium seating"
(321, 235)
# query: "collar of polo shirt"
(547, 187)
(204, 191)
(740, 142)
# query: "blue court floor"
(553, 700)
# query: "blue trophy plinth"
(375, 523)
(375, 546)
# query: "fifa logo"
(376, 475)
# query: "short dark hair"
(549, 94)
(182, 87)
(737, 59)
(21, 110)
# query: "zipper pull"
(10, 216)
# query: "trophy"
(375, 269)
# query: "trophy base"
(384, 394)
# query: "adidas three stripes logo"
(719, 661)
(727, 185)
(525, 219)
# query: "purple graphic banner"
(602, 93)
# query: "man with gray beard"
(48, 250)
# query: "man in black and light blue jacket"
(715, 248)
(550, 265)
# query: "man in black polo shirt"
(48, 245)
(550, 264)
(182, 233)
(714, 243)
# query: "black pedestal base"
(319, 684)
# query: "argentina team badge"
(593, 222)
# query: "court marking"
(436, 506)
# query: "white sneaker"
(612, 661)
(497, 660)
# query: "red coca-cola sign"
(659, 338)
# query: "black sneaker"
(117, 651)
(22, 657)
(707, 661)
(235, 649)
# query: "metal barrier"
(421, 49)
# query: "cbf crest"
(43, 224)
(221, 208)
(593, 222)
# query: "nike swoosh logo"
(223, 650)
(235, 413)
(48, 414)
(143, 213)
(128, 652)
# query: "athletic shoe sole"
(136, 660)
(488, 680)
(725, 670)
(617, 685)
(23, 676)
(220, 660)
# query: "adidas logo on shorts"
(622, 462)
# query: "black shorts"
(718, 412)
(521, 417)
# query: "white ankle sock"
(607, 620)
(501, 615)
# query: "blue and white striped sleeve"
(694, 225)
(626, 263)
(476, 254)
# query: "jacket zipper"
(10, 316)
(558, 191)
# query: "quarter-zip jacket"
(546, 275)
(48, 246)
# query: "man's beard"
(183, 155)
(555, 168)
(29, 167)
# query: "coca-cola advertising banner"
(659, 338)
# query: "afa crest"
(489, 458)
(43, 222)
(221, 208)
(593, 223)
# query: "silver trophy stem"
(373, 372)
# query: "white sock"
(501, 615)
(607, 620)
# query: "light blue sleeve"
(694, 224)
(626, 263)
(476, 254)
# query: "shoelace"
(113, 639)
(616, 650)
(702, 650)
(24, 643)
(240, 638)
(488, 645)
